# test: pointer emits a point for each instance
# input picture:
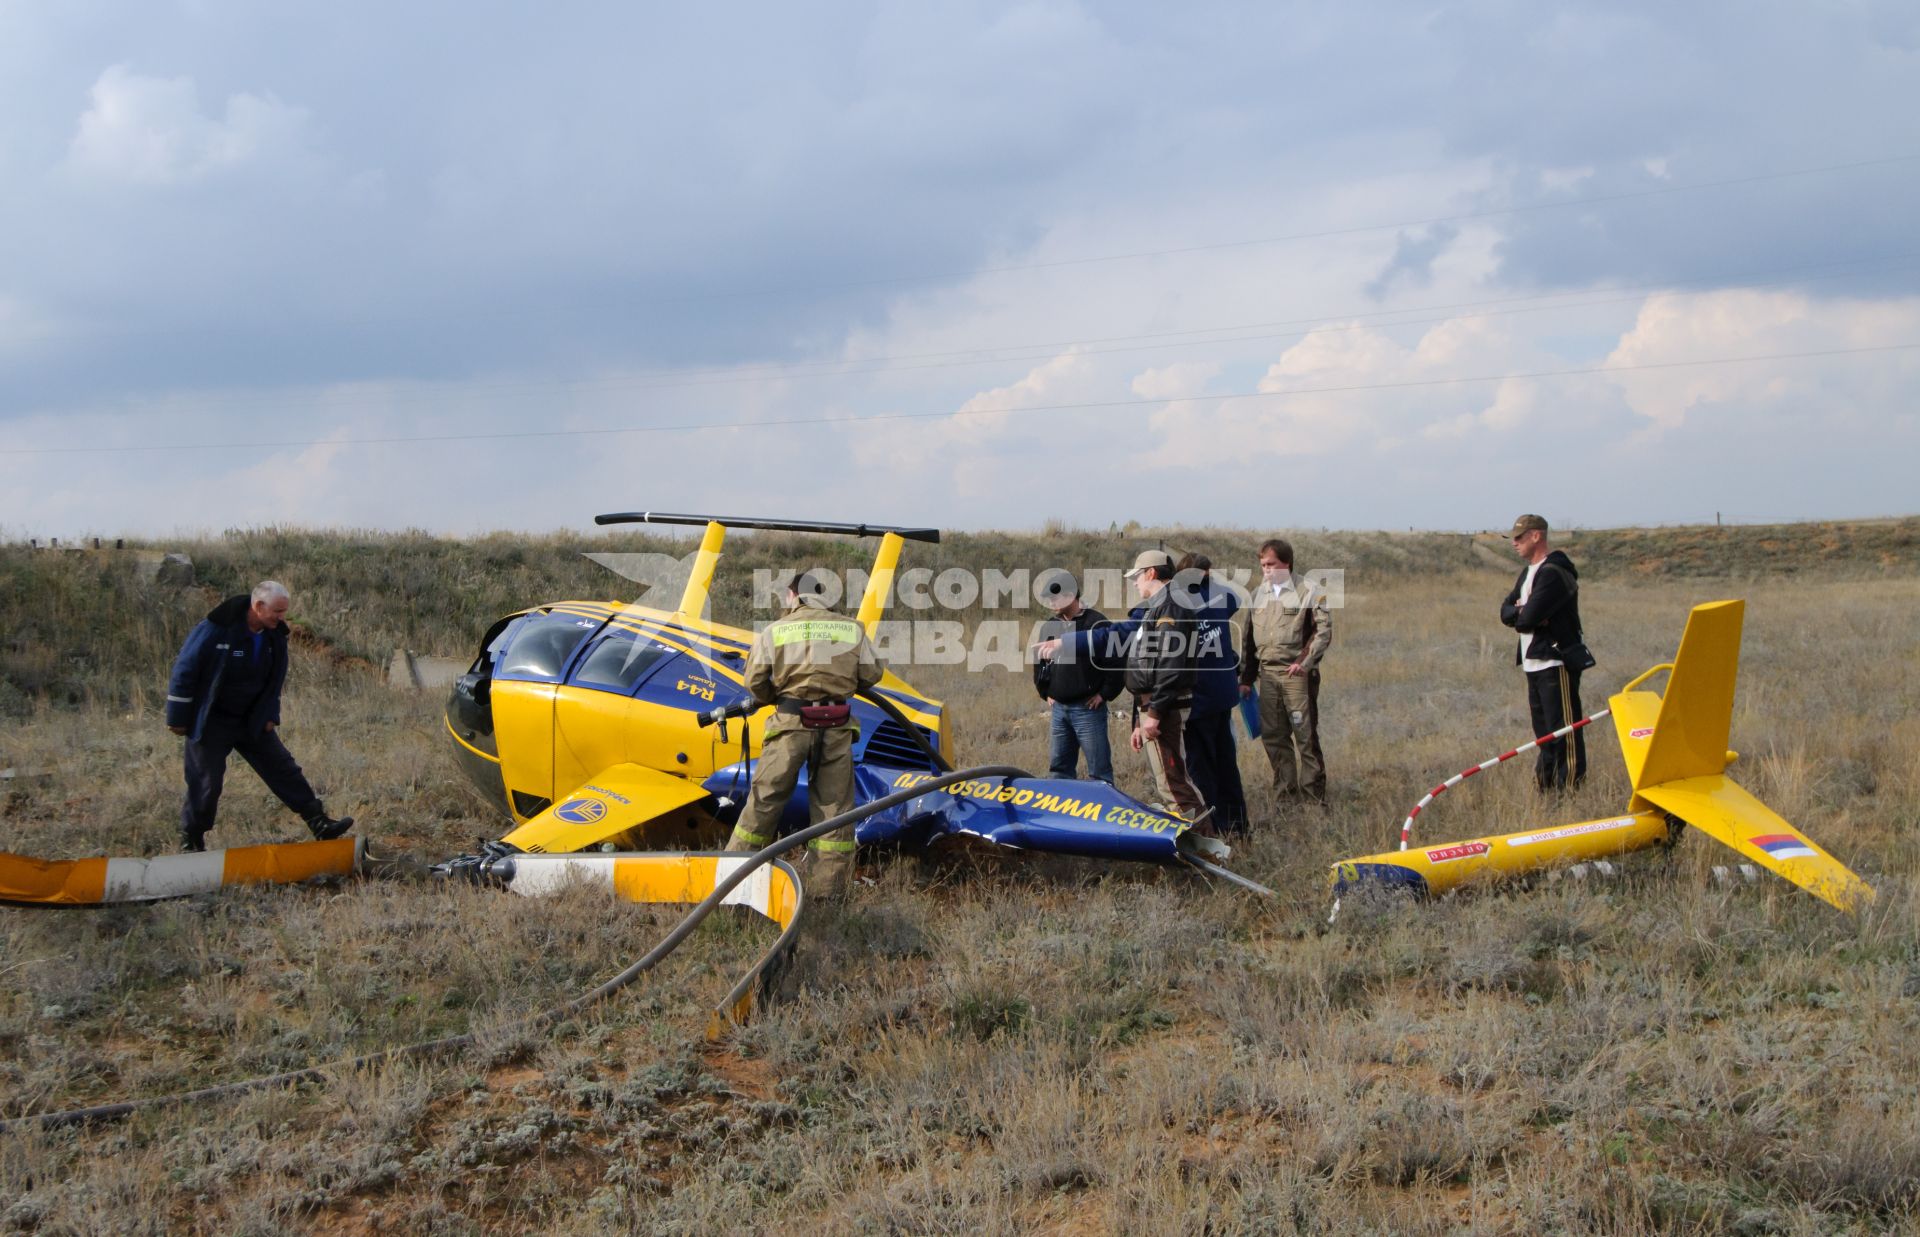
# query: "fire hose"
(455, 1043)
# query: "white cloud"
(151, 131)
(968, 447)
(1353, 384)
(1761, 324)
(1565, 180)
(1176, 381)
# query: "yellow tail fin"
(1696, 711)
(1675, 746)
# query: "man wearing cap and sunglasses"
(1544, 607)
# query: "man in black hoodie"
(1544, 607)
(224, 697)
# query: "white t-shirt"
(1526, 637)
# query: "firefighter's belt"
(816, 714)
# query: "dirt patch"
(750, 1078)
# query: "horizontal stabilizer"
(615, 800)
(1722, 809)
(1634, 714)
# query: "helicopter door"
(524, 682)
(593, 722)
(470, 707)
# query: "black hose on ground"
(454, 1043)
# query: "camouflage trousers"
(1167, 757)
(1290, 730)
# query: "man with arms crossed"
(1544, 607)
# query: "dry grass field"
(1034, 1045)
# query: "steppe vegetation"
(1027, 1045)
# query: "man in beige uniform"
(808, 664)
(1283, 633)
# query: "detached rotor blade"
(778, 526)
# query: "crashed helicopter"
(602, 726)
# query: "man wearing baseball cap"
(1160, 676)
(1544, 607)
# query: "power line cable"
(1257, 332)
(1384, 319)
(1705, 284)
(1283, 238)
(877, 418)
(1331, 233)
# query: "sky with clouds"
(482, 265)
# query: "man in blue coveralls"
(224, 697)
(1211, 759)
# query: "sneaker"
(192, 846)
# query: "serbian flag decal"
(1784, 846)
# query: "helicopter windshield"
(618, 661)
(543, 645)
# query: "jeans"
(1075, 729)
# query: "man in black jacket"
(1160, 673)
(224, 697)
(1544, 607)
(1077, 687)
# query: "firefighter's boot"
(830, 864)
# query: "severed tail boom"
(1675, 747)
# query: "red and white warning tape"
(1406, 826)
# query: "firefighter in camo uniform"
(808, 664)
